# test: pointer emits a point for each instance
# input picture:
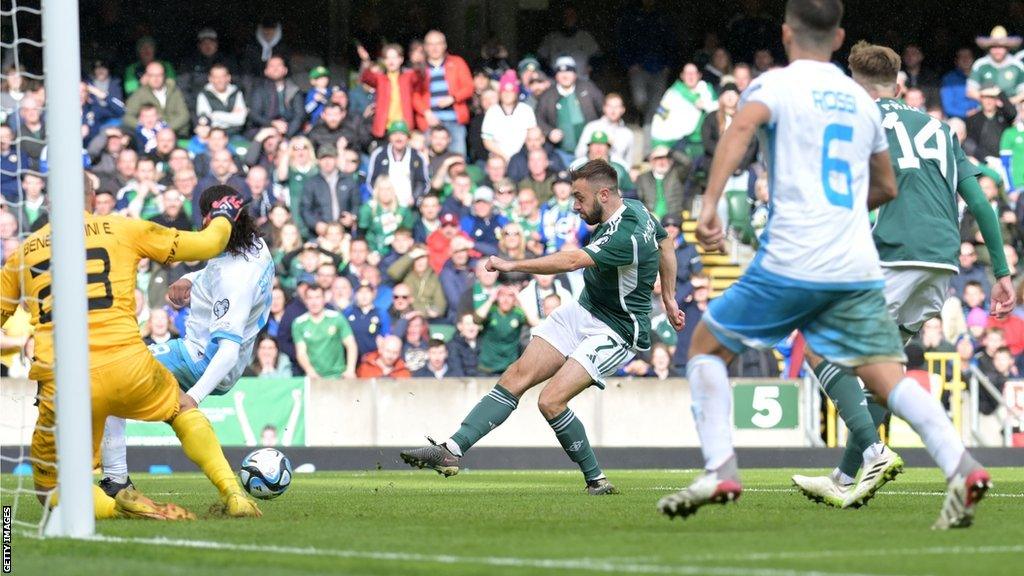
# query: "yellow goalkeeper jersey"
(114, 245)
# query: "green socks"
(852, 458)
(487, 415)
(573, 437)
(846, 393)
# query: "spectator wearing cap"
(457, 275)
(161, 93)
(99, 111)
(276, 101)
(688, 262)
(527, 69)
(560, 223)
(414, 270)
(443, 97)
(985, 128)
(611, 123)
(382, 216)
(518, 165)
(265, 44)
(569, 39)
(437, 363)
(599, 147)
(682, 111)
(386, 362)
(483, 224)
(406, 167)
(336, 123)
(506, 123)
(369, 323)
(196, 68)
(564, 109)
(439, 241)
(145, 49)
(663, 188)
(394, 89)
(502, 323)
(319, 93)
(328, 196)
(222, 102)
(998, 68)
(99, 77)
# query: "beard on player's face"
(594, 214)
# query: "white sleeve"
(764, 92)
(880, 143)
(223, 361)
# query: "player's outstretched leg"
(539, 362)
(200, 444)
(863, 446)
(967, 480)
(569, 381)
(712, 412)
(115, 457)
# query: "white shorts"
(577, 334)
(915, 295)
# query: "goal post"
(74, 516)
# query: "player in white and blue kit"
(230, 304)
(817, 269)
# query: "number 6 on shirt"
(832, 165)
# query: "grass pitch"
(498, 522)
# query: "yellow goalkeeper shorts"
(137, 387)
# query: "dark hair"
(245, 235)
(974, 283)
(915, 356)
(814, 21)
(598, 173)
(435, 342)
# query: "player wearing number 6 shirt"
(230, 302)
(918, 239)
(125, 379)
(817, 269)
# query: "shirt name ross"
(831, 101)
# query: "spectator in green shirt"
(324, 344)
(382, 216)
(502, 326)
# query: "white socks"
(453, 447)
(115, 451)
(712, 408)
(922, 411)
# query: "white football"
(266, 473)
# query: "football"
(265, 473)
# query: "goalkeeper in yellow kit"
(126, 380)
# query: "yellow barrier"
(946, 365)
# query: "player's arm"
(557, 263)
(166, 245)
(10, 288)
(1003, 295)
(667, 274)
(882, 183)
(226, 358)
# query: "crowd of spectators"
(381, 196)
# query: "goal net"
(41, 170)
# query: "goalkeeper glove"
(229, 206)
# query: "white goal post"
(62, 71)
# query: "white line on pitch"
(816, 554)
(584, 564)
(894, 492)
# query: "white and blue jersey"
(230, 299)
(817, 269)
(823, 129)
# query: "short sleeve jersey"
(921, 226)
(499, 338)
(820, 137)
(114, 245)
(618, 289)
(1008, 75)
(323, 341)
(1011, 145)
(230, 300)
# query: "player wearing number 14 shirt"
(817, 269)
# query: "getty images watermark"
(7, 539)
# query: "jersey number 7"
(106, 300)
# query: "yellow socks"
(200, 444)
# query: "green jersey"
(499, 339)
(1011, 148)
(921, 226)
(617, 291)
(1008, 75)
(323, 339)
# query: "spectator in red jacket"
(395, 89)
(386, 362)
(446, 90)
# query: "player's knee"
(550, 404)
(515, 379)
(705, 343)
